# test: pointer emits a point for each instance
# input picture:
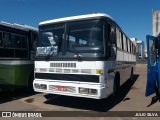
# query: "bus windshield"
(85, 39)
(72, 39)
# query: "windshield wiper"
(48, 56)
(78, 57)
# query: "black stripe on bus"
(68, 77)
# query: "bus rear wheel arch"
(116, 84)
(30, 82)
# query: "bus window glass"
(121, 38)
(152, 52)
(34, 40)
(85, 38)
(7, 39)
(128, 45)
(19, 41)
(24, 43)
(109, 34)
(131, 47)
(82, 42)
(71, 41)
(124, 43)
(118, 39)
(51, 35)
(16, 41)
(1, 39)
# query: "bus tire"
(131, 76)
(116, 84)
(30, 82)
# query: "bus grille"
(68, 77)
(71, 65)
(60, 70)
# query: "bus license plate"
(61, 88)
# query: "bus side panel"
(22, 74)
(15, 75)
(119, 65)
(6, 74)
(125, 71)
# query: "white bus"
(84, 56)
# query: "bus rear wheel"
(131, 76)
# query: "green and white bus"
(17, 51)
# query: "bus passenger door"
(152, 66)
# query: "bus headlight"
(36, 85)
(83, 90)
(99, 71)
(93, 91)
(88, 91)
(40, 86)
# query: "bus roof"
(73, 18)
(18, 26)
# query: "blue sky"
(134, 16)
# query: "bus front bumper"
(77, 89)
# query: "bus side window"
(17, 41)
(121, 36)
(7, 39)
(131, 47)
(1, 39)
(118, 38)
(34, 41)
(109, 34)
(114, 45)
(129, 50)
(24, 43)
(113, 35)
(126, 44)
(111, 38)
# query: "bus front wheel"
(116, 84)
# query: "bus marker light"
(93, 91)
(99, 71)
(40, 86)
(43, 86)
(83, 90)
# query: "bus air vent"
(66, 65)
